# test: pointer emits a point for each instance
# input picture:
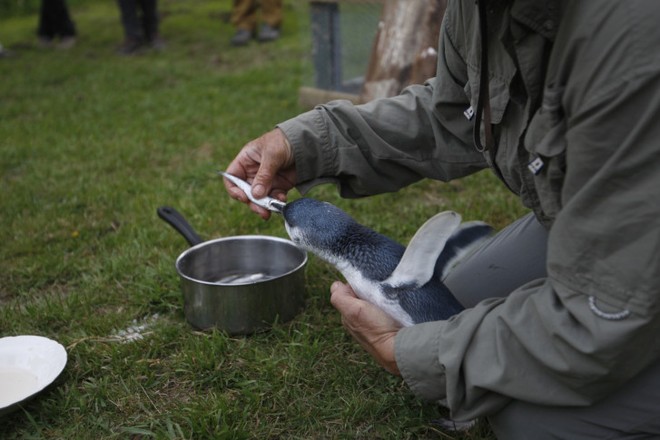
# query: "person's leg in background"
(66, 28)
(55, 21)
(244, 20)
(150, 24)
(271, 16)
(133, 38)
(46, 31)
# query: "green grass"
(90, 145)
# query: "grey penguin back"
(333, 235)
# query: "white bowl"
(28, 364)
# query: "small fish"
(241, 278)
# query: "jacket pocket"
(545, 140)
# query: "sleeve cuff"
(313, 154)
(416, 352)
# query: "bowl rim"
(283, 241)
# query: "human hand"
(370, 326)
(267, 164)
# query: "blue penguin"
(404, 282)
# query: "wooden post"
(405, 48)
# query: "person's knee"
(521, 421)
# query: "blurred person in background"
(55, 22)
(244, 19)
(139, 19)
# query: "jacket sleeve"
(389, 143)
(592, 324)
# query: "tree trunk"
(405, 48)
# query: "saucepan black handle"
(180, 224)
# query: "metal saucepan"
(239, 284)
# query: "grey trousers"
(513, 257)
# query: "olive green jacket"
(575, 98)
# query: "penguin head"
(331, 234)
(315, 225)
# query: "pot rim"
(243, 238)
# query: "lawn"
(91, 143)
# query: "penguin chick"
(404, 282)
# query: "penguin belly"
(373, 291)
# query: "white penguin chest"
(372, 291)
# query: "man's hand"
(370, 326)
(267, 164)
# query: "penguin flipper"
(418, 261)
(465, 239)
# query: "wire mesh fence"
(342, 38)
